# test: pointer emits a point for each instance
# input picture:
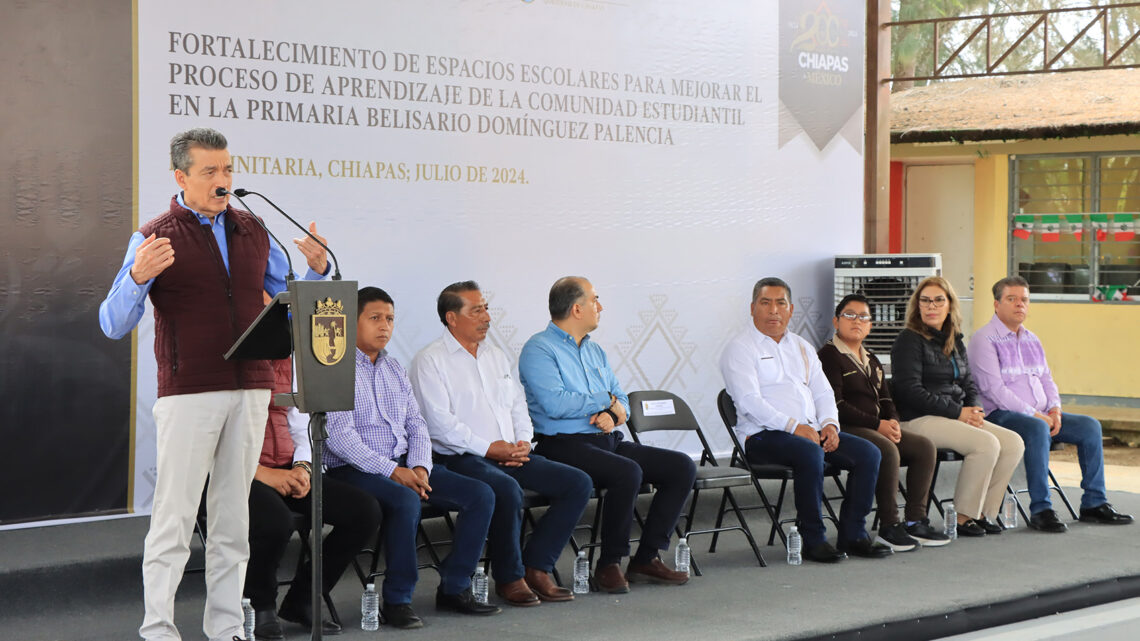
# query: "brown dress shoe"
(610, 579)
(545, 587)
(655, 572)
(517, 593)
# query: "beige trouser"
(219, 434)
(991, 454)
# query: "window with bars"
(1072, 225)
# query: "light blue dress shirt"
(126, 302)
(566, 383)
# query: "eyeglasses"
(863, 318)
(932, 302)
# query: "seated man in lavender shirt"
(383, 447)
(1017, 391)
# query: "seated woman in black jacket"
(936, 398)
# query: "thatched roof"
(1051, 105)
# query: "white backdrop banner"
(513, 142)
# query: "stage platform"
(81, 582)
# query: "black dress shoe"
(866, 548)
(989, 526)
(463, 603)
(266, 625)
(1105, 515)
(302, 615)
(824, 553)
(971, 528)
(1047, 521)
(400, 615)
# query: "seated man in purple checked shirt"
(1017, 392)
(383, 447)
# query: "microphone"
(221, 191)
(245, 192)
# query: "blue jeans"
(1082, 431)
(568, 490)
(472, 499)
(858, 456)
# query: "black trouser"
(620, 467)
(353, 513)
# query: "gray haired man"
(210, 413)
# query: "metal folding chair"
(944, 455)
(710, 476)
(427, 511)
(1054, 486)
(769, 472)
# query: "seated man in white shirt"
(787, 415)
(477, 417)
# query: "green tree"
(912, 47)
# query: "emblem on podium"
(329, 340)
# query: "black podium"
(315, 321)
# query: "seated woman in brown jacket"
(867, 411)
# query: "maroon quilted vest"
(200, 310)
(277, 450)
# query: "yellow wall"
(1092, 347)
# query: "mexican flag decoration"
(1075, 225)
(1123, 227)
(1050, 228)
(1110, 292)
(1023, 226)
(1100, 225)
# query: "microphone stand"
(317, 435)
(245, 192)
(221, 191)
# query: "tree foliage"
(913, 51)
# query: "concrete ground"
(1121, 467)
(81, 583)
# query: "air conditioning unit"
(887, 280)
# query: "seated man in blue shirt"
(575, 404)
(383, 447)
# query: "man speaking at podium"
(204, 265)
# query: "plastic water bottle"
(479, 584)
(795, 547)
(581, 573)
(681, 560)
(1009, 512)
(370, 609)
(249, 622)
(951, 516)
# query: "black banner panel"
(65, 212)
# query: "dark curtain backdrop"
(65, 211)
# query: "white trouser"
(219, 434)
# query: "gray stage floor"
(81, 582)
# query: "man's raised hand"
(152, 257)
